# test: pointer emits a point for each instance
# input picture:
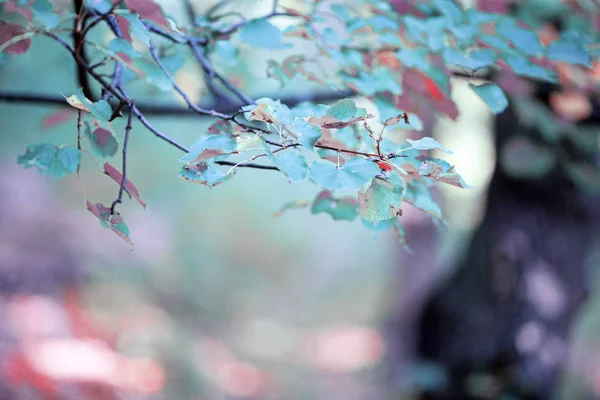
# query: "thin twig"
(119, 198)
(212, 73)
(179, 90)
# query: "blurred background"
(220, 300)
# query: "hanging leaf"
(382, 199)
(290, 162)
(339, 209)
(440, 171)
(104, 143)
(8, 32)
(50, 159)
(129, 186)
(292, 205)
(492, 95)
(115, 222)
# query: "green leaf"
(104, 143)
(154, 75)
(380, 80)
(100, 109)
(570, 52)
(382, 199)
(350, 176)
(307, 134)
(343, 110)
(134, 27)
(418, 194)
(522, 158)
(492, 95)
(50, 159)
(206, 173)
(44, 14)
(440, 171)
(260, 33)
(115, 222)
(428, 143)
(339, 209)
(291, 206)
(210, 146)
(290, 162)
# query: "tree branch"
(119, 198)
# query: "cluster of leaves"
(402, 63)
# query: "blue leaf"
(414, 57)
(493, 96)
(521, 65)
(428, 143)
(473, 60)
(261, 33)
(307, 134)
(350, 176)
(339, 209)
(450, 9)
(206, 173)
(570, 52)
(523, 39)
(291, 163)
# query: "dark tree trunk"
(500, 323)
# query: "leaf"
(523, 39)
(474, 60)
(418, 194)
(521, 65)
(570, 52)
(492, 95)
(131, 23)
(351, 176)
(397, 119)
(382, 199)
(8, 32)
(206, 173)
(449, 9)
(440, 171)
(521, 158)
(380, 80)
(129, 186)
(307, 134)
(291, 163)
(100, 109)
(210, 146)
(263, 112)
(291, 206)
(50, 159)
(57, 117)
(226, 51)
(154, 75)
(260, 33)
(149, 10)
(339, 209)
(45, 14)
(104, 143)
(73, 101)
(428, 143)
(115, 222)
(340, 115)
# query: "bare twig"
(119, 198)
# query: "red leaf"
(129, 186)
(149, 10)
(124, 27)
(432, 88)
(58, 117)
(384, 166)
(11, 7)
(9, 31)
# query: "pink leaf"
(149, 10)
(129, 186)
